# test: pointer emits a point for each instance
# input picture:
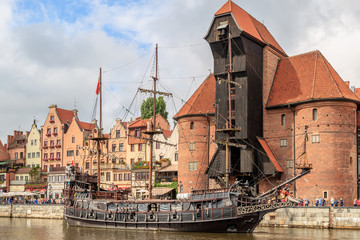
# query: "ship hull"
(241, 224)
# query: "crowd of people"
(321, 202)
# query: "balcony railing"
(58, 146)
(55, 133)
(51, 146)
(45, 147)
(52, 121)
(48, 134)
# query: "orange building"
(75, 136)
(53, 135)
(118, 166)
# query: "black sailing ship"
(233, 208)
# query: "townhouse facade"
(17, 148)
(33, 147)
(53, 132)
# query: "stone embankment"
(32, 211)
(314, 217)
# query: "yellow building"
(33, 147)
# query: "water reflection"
(44, 229)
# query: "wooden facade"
(246, 98)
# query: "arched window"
(315, 114)
(283, 120)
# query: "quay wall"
(314, 217)
(32, 211)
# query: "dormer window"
(222, 30)
(137, 132)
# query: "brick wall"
(333, 157)
(197, 179)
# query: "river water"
(45, 229)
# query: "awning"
(170, 168)
(268, 151)
(158, 191)
(4, 162)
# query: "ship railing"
(118, 195)
(210, 193)
(85, 178)
(246, 201)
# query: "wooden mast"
(153, 129)
(100, 135)
(229, 125)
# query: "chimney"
(347, 83)
(352, 89)
(53, 106)
(9, 139)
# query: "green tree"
(35, 173)
(147, 108)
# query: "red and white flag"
(98, 87)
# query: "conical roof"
(202, 101)
(307, 77)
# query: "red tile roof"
(139, 122)
(270, 154)
(167, 133)
(250, 25)
(307, 77)
(22, 170)
(65, 115)
(202, 101)
(86, 126)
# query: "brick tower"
(196, 135)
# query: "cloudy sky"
(51, 50)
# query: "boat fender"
(151, 216)
(110, 216)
